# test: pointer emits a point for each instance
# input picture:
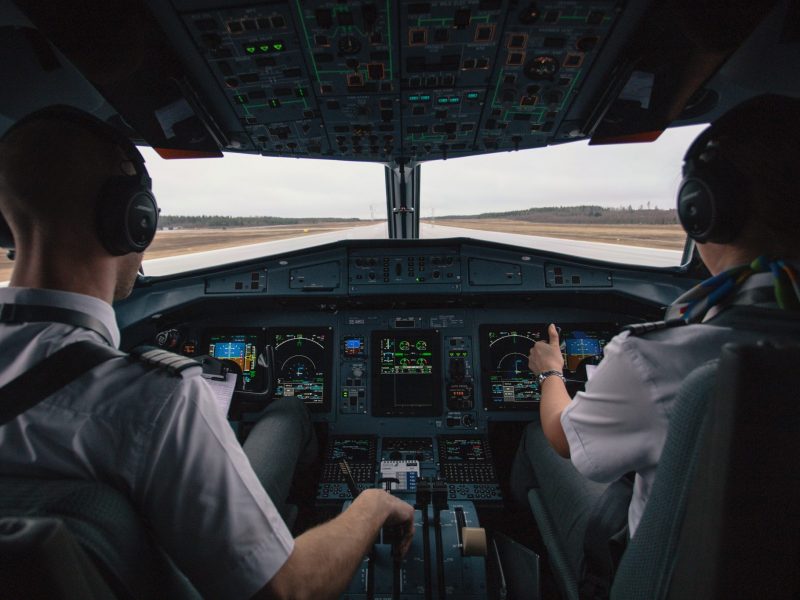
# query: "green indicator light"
(472, 95)
(419, 280)
(264, 48)
(278, 46)
(442, 100)
(240, 98)
(300, 92)
(250, 49)
(275, 103)
(344, 394)
(425, 97)
(455, 100)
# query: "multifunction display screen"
(460, 450)
(406, 373)
(240, 353)
(303, 365)
(508, 382)
(353, 347)
(582, 348)
(353, 450)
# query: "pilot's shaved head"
(51, 174)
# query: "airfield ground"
(187, 241)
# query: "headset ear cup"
(712, 200)
(127, 217)
(696, 208)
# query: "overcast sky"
(569, 174)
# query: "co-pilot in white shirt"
(619, 424)
(159, 438)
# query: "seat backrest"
(722, 517)
(108, 529)
(741, 533)
(646, 565)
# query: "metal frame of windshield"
(402, 199)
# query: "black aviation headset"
(126, 210)
(712, 198)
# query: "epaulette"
(173, 363)
(642, 328)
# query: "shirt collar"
(90, 305)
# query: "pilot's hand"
(401, 515)
(546, 356)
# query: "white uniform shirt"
(619, 424)
(159, 438)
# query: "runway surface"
(634, 255)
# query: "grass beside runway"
(188, 241)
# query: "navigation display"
(240, 353)
(406, 373)
(508, 383)
(303, 365)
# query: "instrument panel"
(397, 340)
(444, 372)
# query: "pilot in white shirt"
(160, 437)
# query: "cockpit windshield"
(613, 203)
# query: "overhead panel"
(399, 81)
(256, 55)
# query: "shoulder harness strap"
(15, 314)
(50, 375)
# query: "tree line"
(221, 222)
(586, 214)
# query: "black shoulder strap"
(34, 313)
(50, 375)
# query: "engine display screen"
(508, 382)
(303, 365)
(239, 351)
(406, 373)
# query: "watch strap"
(552, 373)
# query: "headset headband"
(63, 112)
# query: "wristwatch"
(545, 374)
